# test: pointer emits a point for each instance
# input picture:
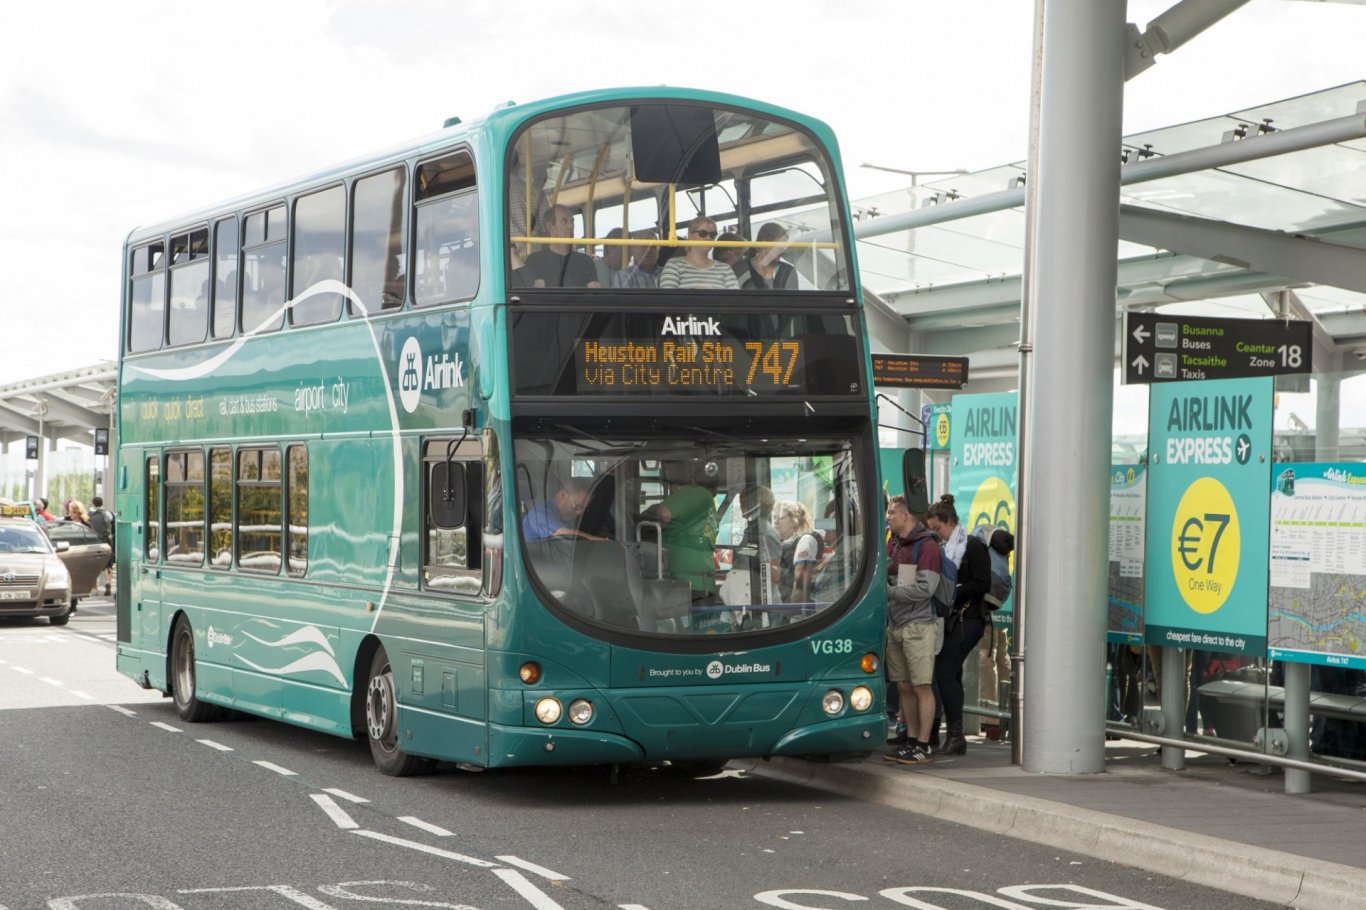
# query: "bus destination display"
(687, 364)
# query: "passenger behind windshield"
(696, 268)
(690, 522)
(764, 268)
(559, 265)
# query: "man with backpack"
(102, 523)
(983, 585)
(915, 564)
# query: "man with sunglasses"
(695, 268)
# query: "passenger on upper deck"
(643, 272)
(729, 254)
(612, 261)
(558, 516)
(765, 269)
(696, 268)
(559, 265)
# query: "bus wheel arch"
(181, 674)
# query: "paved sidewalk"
(1227, 826)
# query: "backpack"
(1000, 571)
(101, 522)
(948, 579)
(786, 565)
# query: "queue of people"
(928, 642)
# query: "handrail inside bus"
(654, 241)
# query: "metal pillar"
(1296, 724)
(1175, 678)
(1069, 403)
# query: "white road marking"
(632, 907)
(167, 727)
(518, 882)
(542, 871)
(269, 766)
(423, 848)
(22, 670)
(126, 712)
(342, 794)
(213, 745)
(53, 682)
(79, 694)
(427, 826)
(334, 811)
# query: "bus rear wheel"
(381, 722)
(187, 705)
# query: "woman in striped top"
(696, 268)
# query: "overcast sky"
(117, 114)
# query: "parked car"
(85, 555)
(33, 579)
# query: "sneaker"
(912, 753)
(106, 590)
(896, 736)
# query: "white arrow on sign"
(1141, 333)
(1141, 362)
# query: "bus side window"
(225, 277)
(147, 302)
(319, 254)
(379, 240)
(259, 509)
(446, 230)
(152, 510)
(220, 508)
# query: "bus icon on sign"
(1166, 335)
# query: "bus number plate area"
(745, 355)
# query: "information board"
(1163, 348)
(1316, 602)
(984, 463)
(1208, 515)
(1128, 513)
(919, 371)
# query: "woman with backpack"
(802, 548)
(970, 616)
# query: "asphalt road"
(110, 802)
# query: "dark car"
(85, 557)
(33, 579)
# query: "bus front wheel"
(187, 705)
(381, 722)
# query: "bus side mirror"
(446, 496)
(913, 481)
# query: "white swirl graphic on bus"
(323, 660)
(329, 286)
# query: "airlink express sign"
(1161, 348)
(1208, 515)
(983, 472)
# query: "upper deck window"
(610, 197)
(446, 230)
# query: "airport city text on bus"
(471, 449)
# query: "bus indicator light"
(869, 663)
(530, 672)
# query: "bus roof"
(495, 127)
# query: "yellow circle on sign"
(1206, 545)
(941, 430)
(992, 504)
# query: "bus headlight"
(580, 711)
(861, 699)
(548, 710)
(833, 702)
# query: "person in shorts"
(914, 562)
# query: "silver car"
(33, 580)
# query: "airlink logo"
(214, 637)
(418, 373)
(716, 669)
(690, 325)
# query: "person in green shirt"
(690, 522)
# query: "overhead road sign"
(1160, 348)
(919, 371)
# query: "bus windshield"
(671, 196)
(670, 536)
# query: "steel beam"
(1172, 29)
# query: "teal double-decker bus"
(483, 450)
